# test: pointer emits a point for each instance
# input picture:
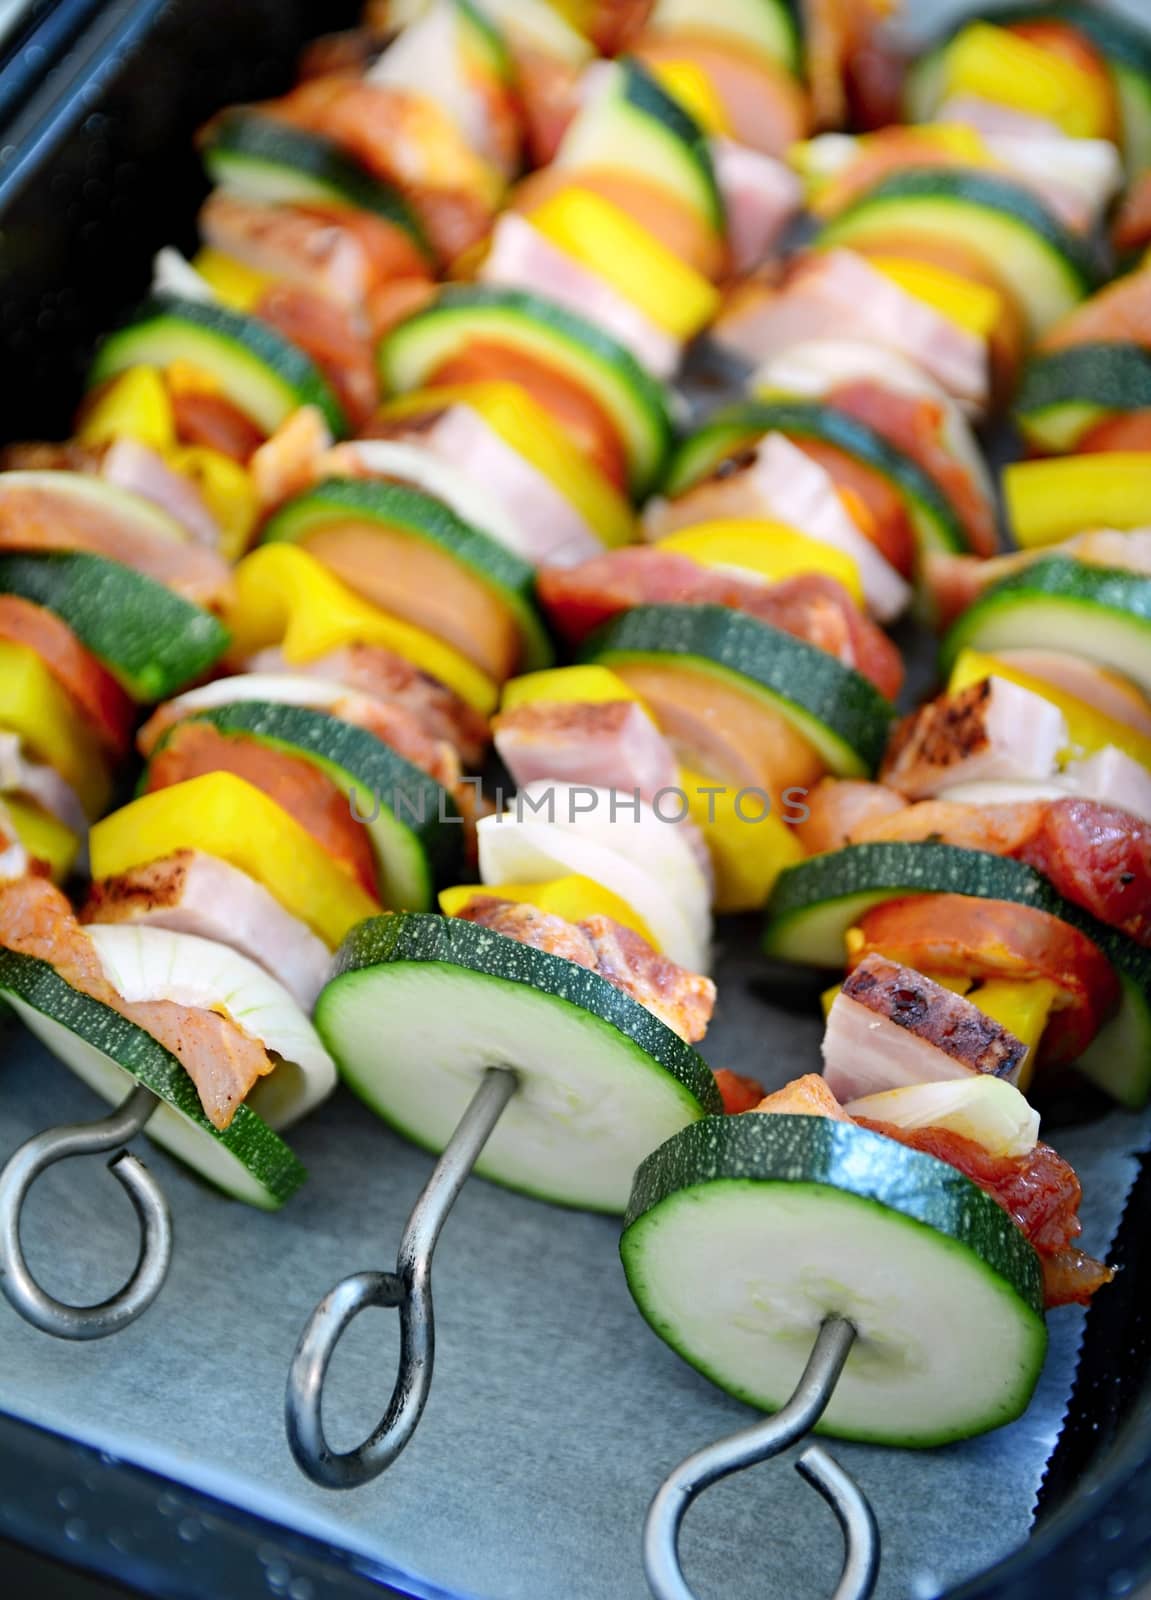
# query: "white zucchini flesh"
(145, 963)
(745, 1233)
(942, 1349)
(168, 1127)
(415, 1040)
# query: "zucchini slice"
(634, 121)
(933, 518)
(247, 1160)
(837, 710)
(259, 371)
(1049, 268)
(420, 1007)
(744, 1233)
(152, 640)
(816, 901)
(414, 824)
(1068, 392)
(274, 163)
(411, 352)
(1066, 606)
(395, 508)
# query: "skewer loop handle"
(408, 1289)
(760, 1443)
(44, 1150)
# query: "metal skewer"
(759, 1443)
(44, 1150)
(409, 1290)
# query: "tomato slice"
(965, 937)
(580, 415)
(738, 1094)
(100, 699)
(308, 795)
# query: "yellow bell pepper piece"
(571, 897)
(696, 93)
(35, 706)
(1090, 729)
(237, 284)
(590, 685)
(227, 491)
(995, 64)
(1020, 1007)
(43, 835)
(285, 597)
(769, 550)
(1049, 501)
(605, 238)
(133, 406)
(225, 816)
(975, 307)
(747, 855)
(528, 430)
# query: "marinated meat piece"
(98, 697)
(811, 607)
(841, 809)
(1039, 1191)
(610, 744)
(808, 1096)
(681, 999)
(915, 424)
(220, 1058)
(33, 517)
(337, 340)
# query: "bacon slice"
(991, 730)
(890, 1027)
(222, 1060)
(610, 744)
(683, 1000)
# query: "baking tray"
(513, 1445)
